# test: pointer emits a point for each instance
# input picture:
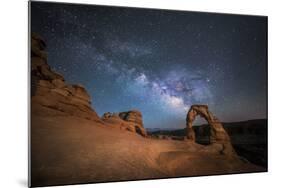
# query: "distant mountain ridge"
(160, 129)
(251, 121)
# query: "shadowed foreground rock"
(218, 136)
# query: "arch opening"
(202, 132)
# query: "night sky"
(159, 62)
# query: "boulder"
(130, 121)
(132, 116)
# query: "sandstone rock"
(106, 115)
(58, 83)
(130, 121)
(49, 89)
(133, 116)
(39, 66)
(38, 46)
(190, 133)
(217, 133)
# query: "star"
(158, 62)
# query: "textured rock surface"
(70, 149)
(49, 89)
(218, 136)
(130, 121)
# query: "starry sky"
(159, 62)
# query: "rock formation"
(131, 121)
(132, 116)
(70, 144)
(218, 135)
(49, 89)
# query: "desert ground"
(68, 149)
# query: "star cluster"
(160, 62)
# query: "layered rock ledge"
(50, 90)
(130, 121)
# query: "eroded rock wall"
(50, 90)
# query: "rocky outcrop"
(130, 121)
(49, 89)
(133, 116)
(218, 136)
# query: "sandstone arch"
(217, 133)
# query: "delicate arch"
(217, 132)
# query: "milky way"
(159, 62)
